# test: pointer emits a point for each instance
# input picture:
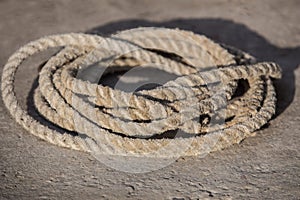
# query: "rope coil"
(200, 106)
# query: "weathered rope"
(201, 104)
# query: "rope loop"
(221, 95)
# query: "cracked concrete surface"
(265, 166)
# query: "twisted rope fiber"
(200, 102)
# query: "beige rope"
(200, 104)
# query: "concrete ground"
(266, 166)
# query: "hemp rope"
(200, 102)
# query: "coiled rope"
(201, 103)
